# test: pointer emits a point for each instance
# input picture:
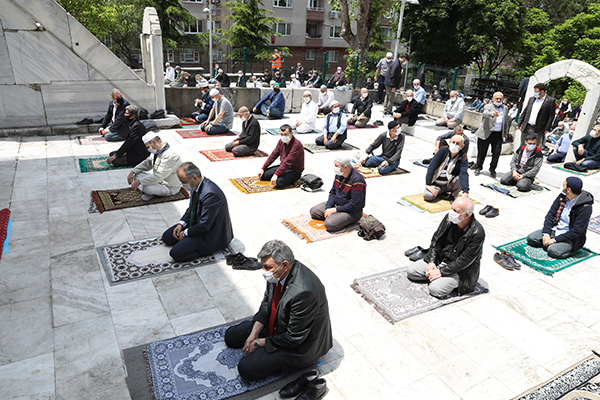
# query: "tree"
(368, 14)
(174, 18)
(559, 11)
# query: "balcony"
(315, 14)
(313, 42)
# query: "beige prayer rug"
(252, 184)
(367, 172)
(118, 199)
(436, 206)
(313, 230)
(223, 155)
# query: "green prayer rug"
(513, 191)
(96, 164)
(538, 259)
(562, 168)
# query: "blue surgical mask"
(536, 95)
(497, 103)
(531, 147)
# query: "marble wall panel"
(20, 106)
(14, 17)
(6, 74)
(50, 14)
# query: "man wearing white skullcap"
(346, 197)
(169, 73)
(380, 73)
(308, 115)
(157, 174)
(220, 118)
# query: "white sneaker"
(147, 197)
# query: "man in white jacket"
(454, 112)
(325, 99)
(308, 115)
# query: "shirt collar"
(162, 151)
(389, 137)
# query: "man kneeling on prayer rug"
(567, 221)
(346, 197)
(291, 329)
(290, 152)
(205, 228)
(453, 259)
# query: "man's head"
(167, 65)
(204, 85)
(403, 57)
(240, 72)
(565, 100)
(278, 74)
(458, 130)
(497, 98)
(244, 113)
(335, 106)
(456, 143)
(299, 64)
(530, 142)
(539, 90)
(462, 210)
(277, 260)
(342, 164)
(214, 94)
(595, 132)
(217, 66)
(452, 95)
(561, 125)
(389, 55)
(285, 131)
(409, 95)
(275, 51)
(364, 93)
(393, 127)
(115, 95)
(339, 70)
(293, 76)
(198, 77)
(132, 112)
(416, 83)
(572, 187)
(189, 175)
(276, 87)
(572, 128)
(153, 142)
(307, 96)
(323, 89)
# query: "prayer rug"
(313, 230)
(117, 199)
(433, 207)
(90, 140)
(594, 225)
(198, 133)
(96, 164)
(222, 155)
(562, 168)
(276, 132)
(187, 121)
(395, 297)
(5, 225)
(252, 184)
(419, 162)
(314, 148)
(538, 259)
(513, 191)
(368, 126)
(374, 173)
(581, 381)
(410, 205)
(145, 258)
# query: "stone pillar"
(152, 55)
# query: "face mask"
(151, 150)
(416, 87)
(536, 95)
(276, 90)
(593, 133)
(409, 98)
(286, 139)
(187, 187)
(268, 275)
(453, 148)
(571, 132)
(497, 103)
(453, 99)
(337, 170)
(388, 59)
(454, 217)
(335, 110)
(531, 147)
(364, 95)
(307, 100)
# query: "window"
(312, 31)
(194, 28)
(310, 55)
(335, 32)
(282, 3)
(283, 28)
(170, 55)
(216, 25)
(217, 55)
(315, 5)
(388, 33)
(189, 56)
(333, 56)
(193, 1)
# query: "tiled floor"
(62, 327)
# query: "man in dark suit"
(291, 329)
(249, 140)
(392, 82)
(205, 227)
(408, 111)
(133, 151)
(537, 117)
(115, 126)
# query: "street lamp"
(210, 55)
(400, 25)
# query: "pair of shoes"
(506, 261)
(412, 251)
(426, 161)
(307, 386)
(147, 197)
(250, 264)
(98, 121)
(85, 121)
(238, 257)
(477, 171)
(489, 211)
(379, 102)
(493, 174)
(416, 256)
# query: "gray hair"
(278, 250)
(460, 137)
(114, 92)
(133, 110)
(189, 170)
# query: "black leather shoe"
(250, 263)
(314, 391)
(412, 251)
(485, 210)
(494, 212)
(493, 174)
(232, 259)
(477, 172)
(418, 255)
(295, 387)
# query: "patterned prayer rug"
(314, 148)
(197, 133)
(187, 121)
(395, 297)
(117, 199)
(145, 258)
(90, 140)
(368, 126)
(222, 155)
(561, 166)
(513, 191)
(538, 259)
(594, 225)
(313, 230)
(96, 164)
(5, 223)
(374, 173)
(252, 184)
(276, 132)
(436, 206)
(579, 382)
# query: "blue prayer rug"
(198, 366)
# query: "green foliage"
(366, 67)
(173, 19)
(558, 11)
(575, 93)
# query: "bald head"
(463, 205)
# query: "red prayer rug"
(222, 155)
(197, 133)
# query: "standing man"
(361, 109)
(115, 126)
(300, 73)
(275, 61)
(408, 110)
(381, 73)
(537, 117)
(220, 118)
(276, 106)
(454, 111)
(392, 82)
(392, 144)
(291, 329)
(495, 127)
(291, 154)
(132, 151)
(249, 140)
(336, 127)
(308, 115)
(205, 228)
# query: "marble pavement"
(62, 327)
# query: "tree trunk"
(359, 42)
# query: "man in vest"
(336, 125)
(275, 61)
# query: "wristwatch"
(257, 344)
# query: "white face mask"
(151, 150)
(454, 217)
(453, 148)
(187, 187)
(497, 103)
(335, 110)
(337, 170)
(286, 139)
(268, 275)
(453, 99)
(364, 95)
(416, 87)
(571, 132)
(531, 147)
(409, 98)
(536, 95)
(307, 100)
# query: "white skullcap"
(307, 92)
(213, 92)
(343, 159)
(335, 102)
(203, 84)
(148, 137)
(389, 54)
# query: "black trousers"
(120, 161)
(494, 140)
(259, 364)
(380, 88)
(286, 179)
(186, 249)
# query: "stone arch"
(583, 73)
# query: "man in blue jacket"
(205, 104)
(448, 172)
(566, 223)
(276, 105)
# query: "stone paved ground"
(63, 327)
